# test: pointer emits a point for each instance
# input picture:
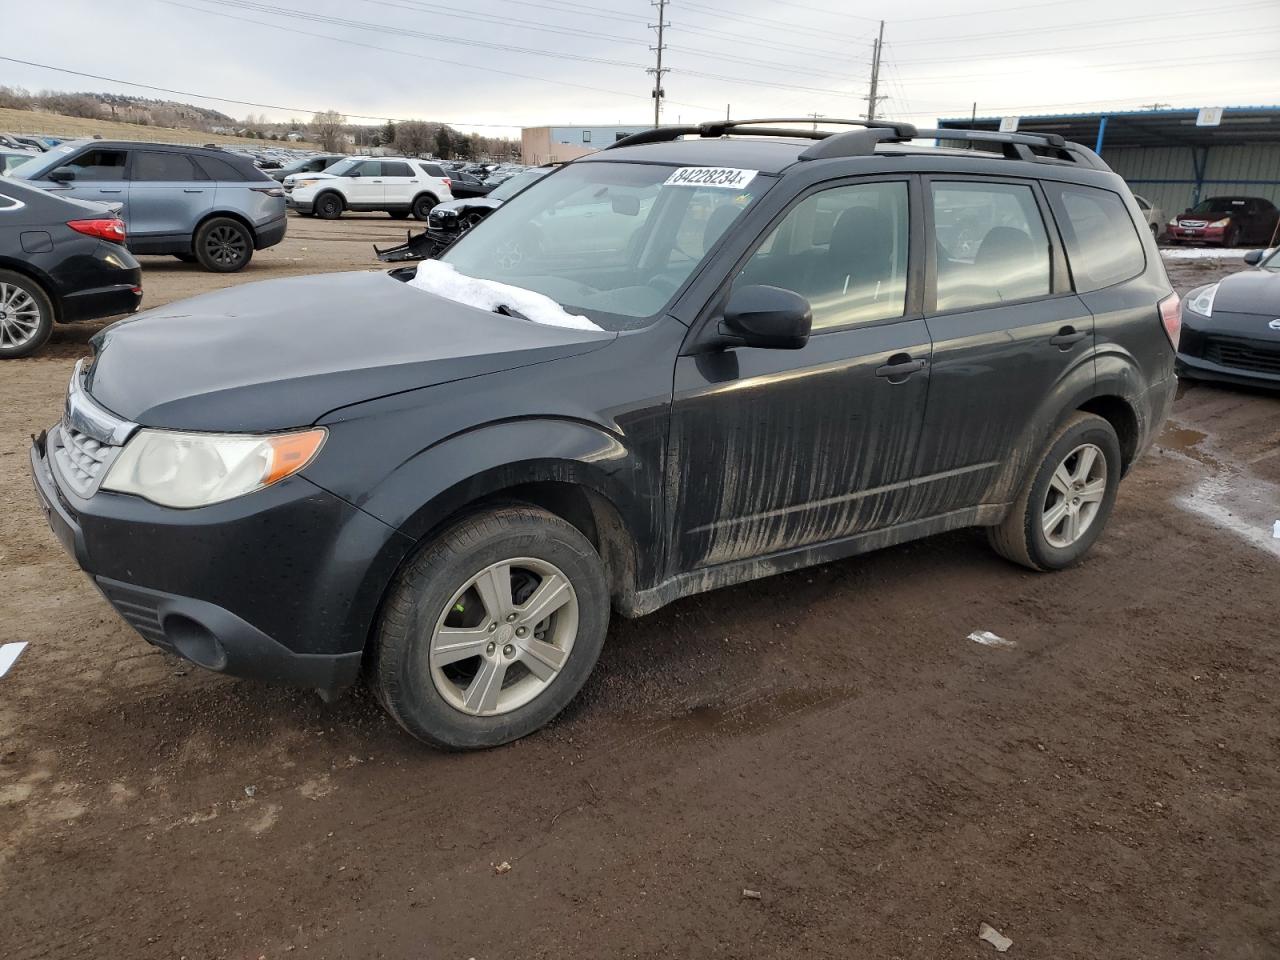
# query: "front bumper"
(281, 585)
(300, 205)
(1228, 349)
(1205, 234)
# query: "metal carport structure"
(1165, 156)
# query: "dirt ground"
(1107, 788)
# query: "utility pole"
(658, 70)
(816, 117)
(873, 100)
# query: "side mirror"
(1254, 257)
(626, 205)
(767, 317)
(63, 174)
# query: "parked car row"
(1228, 221)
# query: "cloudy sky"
(530, 62)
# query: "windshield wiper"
(507, 311)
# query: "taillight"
(269, 191)
(448, 182)
(110, 228)
(1171, 318)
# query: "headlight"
(304, 183)
(1173, 223)
(1201, 301)
(196, 469)
(1221, 223)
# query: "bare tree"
(414, 137)
(327, 128)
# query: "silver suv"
(200, 204)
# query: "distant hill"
(57, 125)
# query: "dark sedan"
(1231, 329)
(61, 260)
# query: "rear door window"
(157, 166)
(99, 165)
(1103, 245)
(991, 243)
(396, 168)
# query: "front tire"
(26, 316)
(422, 206)
(223, 245)
(1066, 500)
(491, 629)
(328, 206)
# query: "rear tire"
(223, 245)
(1075, 482)
(454, 660)
(328, 206)
(26, 316)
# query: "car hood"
(283, 353)
(468, 203)
(1208, 217)
(316, 175)
(1251, 291)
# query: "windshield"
(1272, 262)
(342, 166)
(513, 185)
(612, 241)
(1219, 205)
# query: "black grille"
(1256, 355)
(138, 610)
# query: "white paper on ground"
(994, 937)
(989, 639)
(8, 654)
(444, 281)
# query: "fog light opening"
(195, 642)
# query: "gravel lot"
(1109, 787)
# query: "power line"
(1082, 24)
(243, 103)
(418, 56)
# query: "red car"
(1226, 221)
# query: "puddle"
(1230, 498)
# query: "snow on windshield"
(444, 281)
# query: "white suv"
(398, 185)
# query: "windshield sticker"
(729, 178)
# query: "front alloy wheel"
(504, 637)
(491, 629)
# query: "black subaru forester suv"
(704, 355)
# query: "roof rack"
(862, 142)
(721, 128)
(1018, 146)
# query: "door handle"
(198, 190)
(899, 367)
(104, 190)
(1068, 337)
(375, 181)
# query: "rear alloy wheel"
(1066, 500)
(223, 245)
(491, 629)
(328, 206)
(422, 207)
(26, 316)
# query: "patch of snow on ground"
(444, 281)
(1202, 253)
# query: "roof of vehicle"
(772, 146)
(134, 144)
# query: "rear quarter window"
(1103, 244)
(219, 169)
